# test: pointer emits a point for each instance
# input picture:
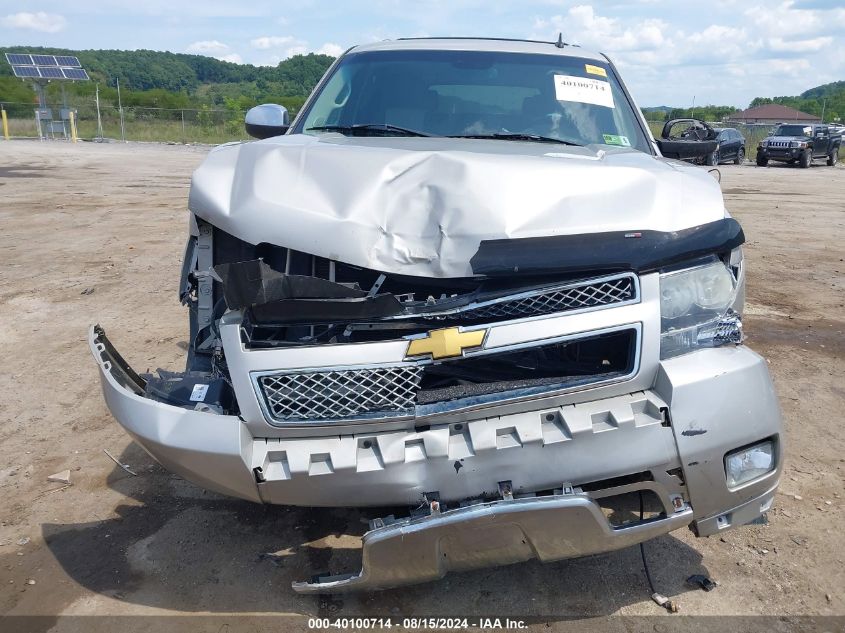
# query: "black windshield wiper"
(515, 136)
(381, 127)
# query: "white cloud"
(39, 21)
(788, 66)
(643, 43)
(800, 46)
(715, 44)
(208, 47)
(285, 46)
(216, 49)
(733, 53)
(329, 48)
(296, 50)
(267, 42)
(231, 57)
(784, 18)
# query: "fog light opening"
(624, 509)
(750, 463)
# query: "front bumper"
(499, 533)
(674, 435)
(781, 153)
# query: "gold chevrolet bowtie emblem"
(445, 343)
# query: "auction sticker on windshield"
(583, 90)
(616, 139)
(595, 70)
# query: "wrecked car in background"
(690, 140)
(464, 283)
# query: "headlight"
(797, 144)
(749, 463)
(764, 144)
(676, 296)
(701, 306)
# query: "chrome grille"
(549, 301)
(334, 394)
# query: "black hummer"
(799, 143)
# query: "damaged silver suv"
(466, 283)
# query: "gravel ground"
(94, 233)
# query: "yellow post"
(5, 123)
(72, 126)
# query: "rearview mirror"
(687, 139)
(267, 120)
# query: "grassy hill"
(828, 99)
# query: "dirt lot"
(94, 233)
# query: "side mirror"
(687, 139)
(267, 120)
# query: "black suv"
(799, 143)
(731, 147)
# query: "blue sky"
(719, 51)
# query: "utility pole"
(824, 105)
(692, 112)
(120, 110)
(99, 120)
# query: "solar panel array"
(67, 60)
(18, 58)
(28, 66)
(44, 60)
(75, 73)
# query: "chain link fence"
(210, 125)
(199, 125)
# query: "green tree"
(205, 117)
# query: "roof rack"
(560, 43)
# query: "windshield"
(793, 130)
(511, 96)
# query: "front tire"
(762, 161)
(806, 159)
(712, 159)
(740, 156)
(833, 157)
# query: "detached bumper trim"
(498, 533)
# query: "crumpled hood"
(421, 206)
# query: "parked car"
(731, 147)
(800, 143)
(464, 283)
